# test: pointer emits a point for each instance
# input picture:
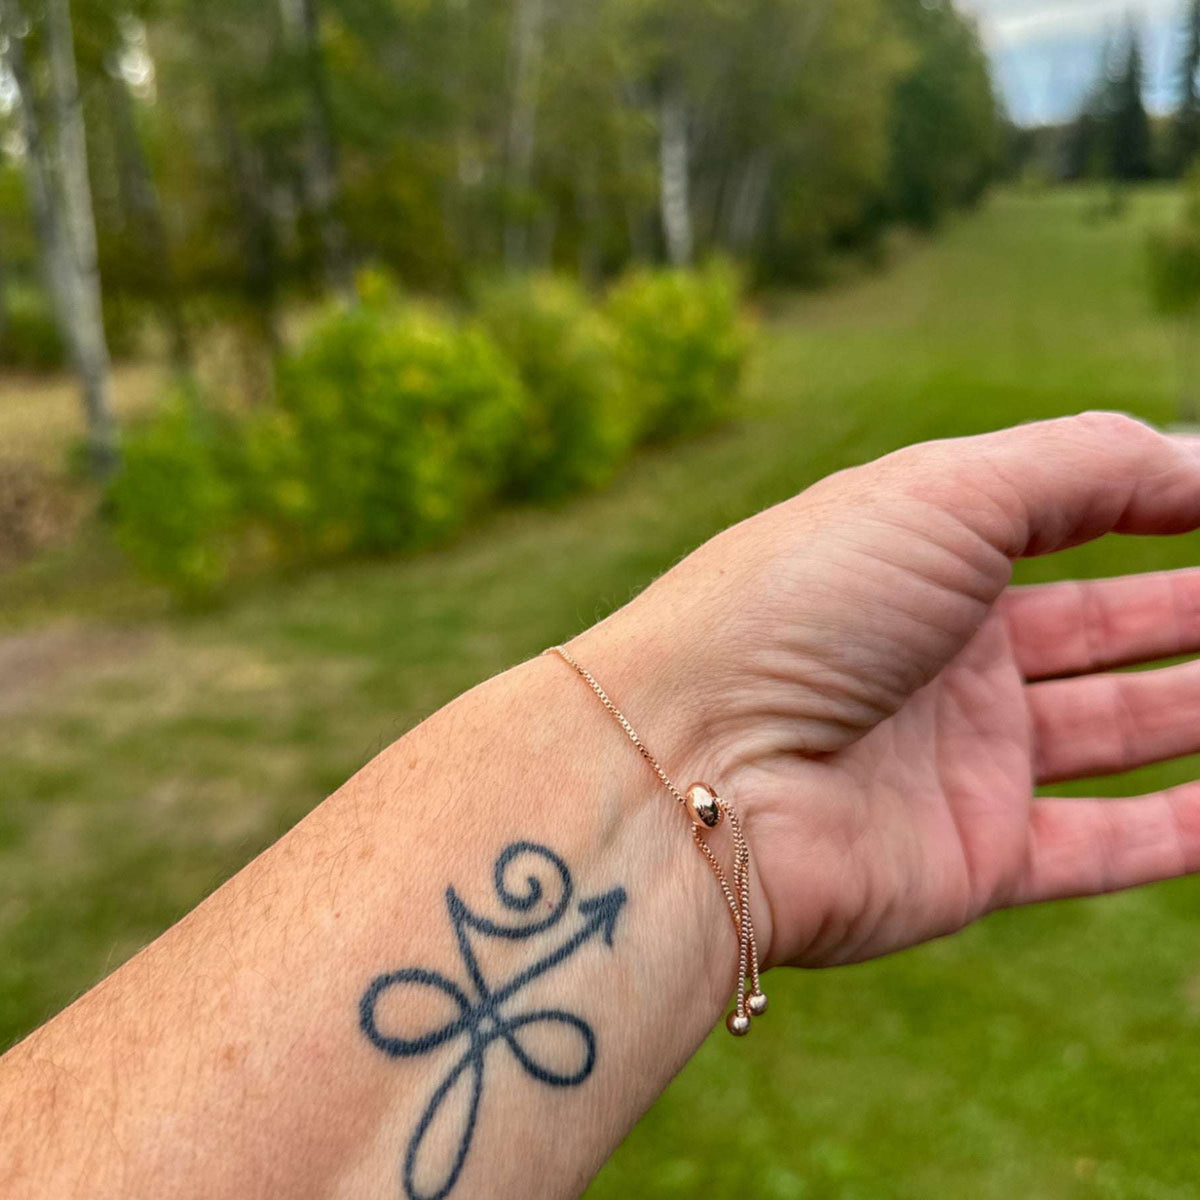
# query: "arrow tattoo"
(481, 1020)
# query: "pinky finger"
(1090, 847)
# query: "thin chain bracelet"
(706, 811)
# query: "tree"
(61, 200)
(1185, 124)
(138, 254)
(1085, 151)
(945, 126)
(302, 25)
(1131, 146)
(442, 140)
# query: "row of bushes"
(395, 422)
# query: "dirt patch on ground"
(38, 510)
(36, 665)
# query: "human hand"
(854, 671)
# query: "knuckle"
(1112, 427)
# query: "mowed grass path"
(1049, 1053)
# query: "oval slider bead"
(737, 1023)
(704, 807)
(756, 1002)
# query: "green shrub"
(173, 503)
(577, 425)
(396, 425)
(29, 340)
(682, 346)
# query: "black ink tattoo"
(482, 1020)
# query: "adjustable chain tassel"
(706, 811)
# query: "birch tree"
(674, 170)
(61, 199)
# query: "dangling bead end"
(756, 1002)
(737, 1023)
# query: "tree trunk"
(674, 179)
(61, 200)
(528, 40)
(749, 202)
(140, 199)
(302, 23)
(83, 274)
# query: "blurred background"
(353, 350)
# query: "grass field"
(1045, 1055)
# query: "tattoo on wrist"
(485, 1010)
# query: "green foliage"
(403, 422)
(682, 347)
(29, 337)
(173, 501)
(269, 156)
(396, 423)
(1174, 260)
(945, 124)
(577, 426)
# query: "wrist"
(672, 719)
(658, 680)
(612, 805)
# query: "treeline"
(1114, 137)
(210, 160)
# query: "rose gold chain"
(706, 811)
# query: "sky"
(1046, 51)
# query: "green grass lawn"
(1050, 1053)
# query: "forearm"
(245, 1053)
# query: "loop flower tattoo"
(482, 1011)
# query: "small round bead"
(737, 1023)
(756, 1002)
(703, 806)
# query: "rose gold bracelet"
(706, 810)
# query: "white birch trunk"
(61, 199)
(82, 276)
(674, 168)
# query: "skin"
(851, 668)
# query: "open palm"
(886, 704)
